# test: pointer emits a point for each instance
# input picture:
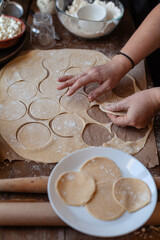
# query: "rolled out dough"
(102, 169)
(103, 205)
(62, 124)
(75, 188)
(131, 193)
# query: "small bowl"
(6, 43)
(13, 9)
(91, 12)
(82, 27)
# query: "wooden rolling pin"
(28, 214)
(28, 185)
(41, 214)
(34, 184)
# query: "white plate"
(78, 217)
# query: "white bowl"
(79, 27)
(93, 13)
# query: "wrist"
(155, 97)
(123, 65)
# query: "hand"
(141, 107)
(107, 75)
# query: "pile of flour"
(113, 11)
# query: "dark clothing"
(139, 10)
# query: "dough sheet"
(43, 124)
(75, 188)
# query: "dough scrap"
(102, 169)
(104, 109)
(103, 205)
(131, 193)
(75, 188)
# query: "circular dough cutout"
(95, 135)
(102, 169)
(67, 125)
(11, 110)
(43, 109)
(75, 103)
(22, 90)
(48, 88)
(125, 87)
(75, 188)
(33, 135)
(101, 99)
(103, 205)
(90, 87)
(131, 193)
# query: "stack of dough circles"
(102, 169)
(99, 186)
(75, 188)
(105, 172)
(103, 205)
(131, 193)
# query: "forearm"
(144, 41)
(155, 98)
(146, 38)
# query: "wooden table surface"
(108, 45)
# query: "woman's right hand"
(107, 75)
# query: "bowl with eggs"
(11, 30)
(89, 20)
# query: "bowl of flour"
(67, 11)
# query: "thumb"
(117, 106)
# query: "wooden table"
(108, 45)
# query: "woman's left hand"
(141, 107)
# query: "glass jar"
(42, 31)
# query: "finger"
(111, 117)
(120, 121)
(83, 81)
(118, 106)
(65, 78)
(98, 91)
(66, 84)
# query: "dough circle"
(131, 193)
(103, 205)
(75, 103)
(102, 169)
(22, 90)
(48, 86)
(104, 109)
(67, 125)
(11, 110)
(75, 188)
(43, 109)
(33, 135)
